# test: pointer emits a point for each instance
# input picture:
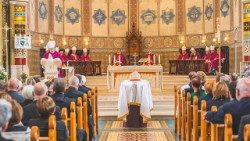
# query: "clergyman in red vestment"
(150, 57)
(206, 57)
(194, 55)
(119, 58)
(73, 56)
(184, 55)
(85, 56)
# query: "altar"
(153, 74)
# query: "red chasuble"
(195, 56)
(73, 57)
(183, 56)
(150, 57)
(119, 59)
(85, 58)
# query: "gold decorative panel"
(58, 17)
(43, 16)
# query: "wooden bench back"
(85, 115)
(195, 119)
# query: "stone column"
(18, 24)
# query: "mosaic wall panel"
(43, 16)
(100, 19)
(168, 16)
(118, 18)
(209, 16)
(58, 17)
(148, 18)
(73, 17)
(194, 16)
(225, 8)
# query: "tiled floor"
(159, 129)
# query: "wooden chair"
(189, 118)
(204, 130)
(247, 132)
(85, 115)
(35, 133)
(96, 109)
(184, 115)
(213, 126)
(195, 119)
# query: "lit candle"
(159, 59)
(109, 60)
(154, 59)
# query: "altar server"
(85, 55)
(119, 58)
(151, 58)
(184, 55)
(73, 56)
(194, 55)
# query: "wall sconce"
(41, 41)
(64, 42)
(51, 37)
(203, 40)
(86, 41)
(226, 38)
(214, 40)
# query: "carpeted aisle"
(155, 131)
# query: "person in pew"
(209, 93)
(73, 56)
(16, 130)
(188, 87)
(27, 93)
(13, 88)
(244, 121)
(85, 55)
(220, 95)
(183, 55)
(46, 107)
(203, 77)
(73, 92)
(232, 90)
(82, 81)
(30, 110)
(194, 55)
(5, 115)
(196, 85)
(59, 98)
(237, 108)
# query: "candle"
(109, 60)
(154, 59)
(159, 59)
(114, 60)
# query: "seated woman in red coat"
(194, 55)
(119, 58)
(206, 57)
(85, 56)
(150, 57)
(184, 55)
(73, 56)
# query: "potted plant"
(23, 77)
(3, 74)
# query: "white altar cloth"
(135, 93)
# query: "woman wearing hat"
(184, 55)
(85, 56)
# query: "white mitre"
(135, 75)
(73, 48)
(85, 50)
(67, 50)
(51, 44)
(184, 48)
(212, 47)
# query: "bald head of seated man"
(30, 110)
(13, 87)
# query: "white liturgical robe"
(135, 92)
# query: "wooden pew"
(184, 115)
(35, 133)
(175, 107)
(64, 114)
(85, 115)
(189, 118)
(195, 119)
(96, 109)
(228, 132)
(179, 113)
(213, 126)
(79, 113)
(93, 104)
(247, 132)
(204, 130)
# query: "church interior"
(124, 70)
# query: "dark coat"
(216, 102)
(42, 124)
(244, 120)
(30, 112)
(236, 108)
(72, 92)
(16, 128)
(15, 95)
(83, 89)
(208, 97)
(62, 101)
(26, 102)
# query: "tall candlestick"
(218, 29)
(154, 59)
(109, 59)
(159, 59)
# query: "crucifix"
(6, 29)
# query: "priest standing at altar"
(150, 58)
(51, 45)
(184, 55)
(119, 58)
(73, 56)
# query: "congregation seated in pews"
(48, 110)
(215, 110)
